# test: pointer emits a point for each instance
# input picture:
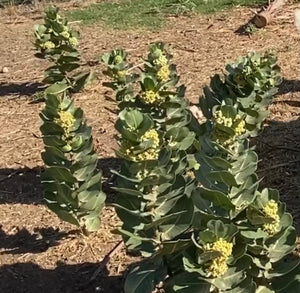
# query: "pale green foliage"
(71, 181)
(72, 184)
(197, 214)
(246, 90)
(154, 195)
(55, 35)
(228, 184)
(57, 42)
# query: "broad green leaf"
(288, 283)
(59, 174)
(263, 289)
(190, 283)
(246, 286)
(284, 266)
(91, 222)
(144, 278)
(217, 197)
(52, 156)
(57, 88)
(233, 276)
(173, 228)
(170, 247)
(284, 245)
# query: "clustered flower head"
(271, 211)
(65, 121)
(161, 61)
(150, 97)
(151, 135)
(55, 33)
(148, 154)
(220, 119)
(120, 74)
(65, 34)
(240, 127)
(73, 41)
(118, 59)
(238, 124)
(218, 266)
(48, 45)
(163, 74)
(161, 64)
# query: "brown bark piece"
(264, 17)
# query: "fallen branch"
(266, 15)
(106, 259)
(9, 175)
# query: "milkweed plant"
(188, 195)
(56, 41)
(71, 180)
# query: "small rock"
(4, 69)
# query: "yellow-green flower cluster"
(163, 74)
(142, 174)
(73, 41)
(150, 97)
(151, 135)
(120, 74)
(65, 121)
(240, 128)
(65, 34)
(218, 266)
(220, 119)
(48, 45)
(162, 67)
(118, 59)
(271, 211)
(161, 61)
(148, 154)
(238, 124)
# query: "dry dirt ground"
(39, 253)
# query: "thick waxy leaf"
(63, 214)
(234, 275)
(59, 174)
(181, 223)
(263, 289)
(217, 197)
(288, 283)
(284, 245)
(207, 256)
(169, 247)
(55, 157)
(246, 286)
(57, 88)
(91, 221)
(190, 283)
(254, 234)
(283, 266)
(144, 278)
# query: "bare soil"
(38, 252)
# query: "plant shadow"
(24, 242)
(289, 86)
(278, 149)
(20, 89)
(65, 278)
(23, 185)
